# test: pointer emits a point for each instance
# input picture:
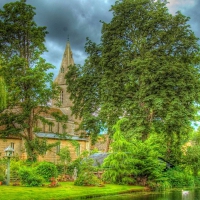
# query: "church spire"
(66, 62)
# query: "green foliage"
(85, 170)
(65, 158)
(179, 178)
(139, 160)
(119, 164)
(87, 179)
(197, 181)
(2, 173)
(86, 174)
(64, 155)
(29, 177)
(3, 165)
(47, 170)
(31, 87)
(146, 68)
(13, 41)
(60, 168)
(87, 165)
(2, 177)
(3, 94)
(191, 157)
(146, 159)
(15, 166)
(159, 186)
(78, 163)
(174, 147)
(38, 146)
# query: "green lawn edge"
(66, 190)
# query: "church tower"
(64, 96)
(60, 79)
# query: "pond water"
(194, 194)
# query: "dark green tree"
(133, 160)
(146, 69)
(119, 165)
(29, 86)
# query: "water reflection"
(171, 195)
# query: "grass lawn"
(66, 190)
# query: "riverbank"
(66, 190)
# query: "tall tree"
(3, 93)
(146, 69)
(29, 86)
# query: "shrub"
(179, 178)
(60, 168)
(197, 181)
(2, 177)
(87, 179)
(75, 164)
(29, 177)
(2, 173)
(47, 170)
(15, 167)
(86, 175)
(159, 186)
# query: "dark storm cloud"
(76, 19)
(79, 19)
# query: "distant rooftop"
(58, 136)
(98, 158)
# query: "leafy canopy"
(29, 85)
(146, 69)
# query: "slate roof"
(98, 158)
(58, 136)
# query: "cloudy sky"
(80, 19)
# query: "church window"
(64, 127)
(58, 149)
(50, 127)
(58, 126)
(12, 145)
(62, 69)
(72, 128)
(61, 96)
(43, 127)
(78, 150)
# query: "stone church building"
(52, 132)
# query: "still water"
(170, 195)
